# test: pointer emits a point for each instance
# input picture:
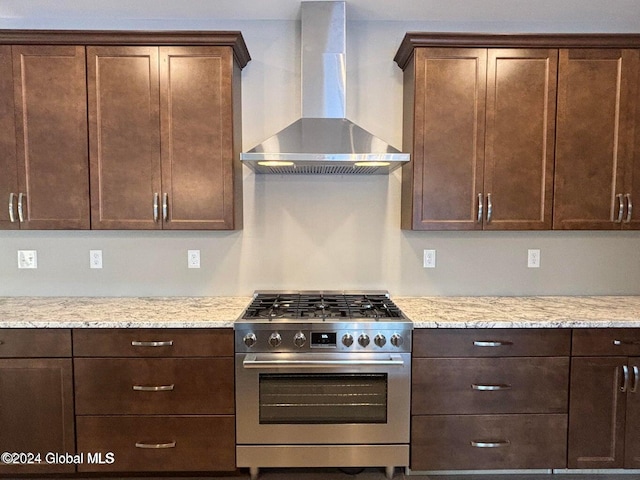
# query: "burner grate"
(273, 306)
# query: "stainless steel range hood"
(324, 140)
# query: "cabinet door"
(124, 137)
(197, 136)
(632, 173)
(632, 439)
(36, 414)
(51, 131)
(596, 413)
(593, 137)
(8, 173)
(448, 144)
(520, 130)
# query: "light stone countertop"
(121, 312)
(522, 312)
(221, 312)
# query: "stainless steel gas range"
(323, 378)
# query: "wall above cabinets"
(521, 132)
(160, 149)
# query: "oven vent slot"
(324, 169)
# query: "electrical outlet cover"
(27, 259)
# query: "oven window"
(323, 398)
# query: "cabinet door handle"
(159, 388)
(480, 207)
(489, 443)
(156, 199)
(490, 343)
(634, 387)
(156, 445)
(491, 388)
(620, 208)
(165, 207)
(629, 208)
(20, 208)
(168, 343)
(489, 208)
(625, 382)
(626, 342)
(12, 217)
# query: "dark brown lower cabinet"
(36, 414)
(477, 442)
(604, 413)
(156, 443)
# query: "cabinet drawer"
(488, 442)
(153, 342)
(154, 385)
(490, 385)
(491, 342)
(606, 341)
(182, 443)
(30, 342)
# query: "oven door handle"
(251, 361)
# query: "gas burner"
(271, 313)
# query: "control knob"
(396, 340)
(347, 340)
(250, 339)
(275, 339)
(363, 340)
(299, 339)
(379, 340)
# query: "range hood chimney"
(324, 140)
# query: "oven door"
(322, 398)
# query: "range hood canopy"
(324, 140)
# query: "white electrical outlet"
(193, 258)
(95, 258)
(429, 260)
(27, 259)
(533, 258)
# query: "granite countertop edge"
(221, 312)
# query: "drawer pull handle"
(489, 443)
(636, 375)
(491, 388)
(480, 206)
(493, 343)
(626, 342)
(620, 208)
(168, 343)
(629, 208)
(159, 388)
(20, 207)
(12, 217)
(625, 374)
(156, 199)
(156, 445)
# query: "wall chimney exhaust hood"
(324, 140)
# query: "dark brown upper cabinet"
(479, 125)
(165, 137)
(45, 170)
(547, 137)
(595, 157)
(145, 135)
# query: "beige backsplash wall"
(332, 232)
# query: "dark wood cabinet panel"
(520, 129)
(124, 128)
(188, 443)
(632, 439)
(490, 385)
(632, 172)
(447, 111)
(30, 342)
(36, 414)
(477, 442)
(605, 341)
(198, 154)
(51, 133)
(593, 137)
(597, 413)
(491, 342)
(145, 342)
(8, 168)
(133, 386)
